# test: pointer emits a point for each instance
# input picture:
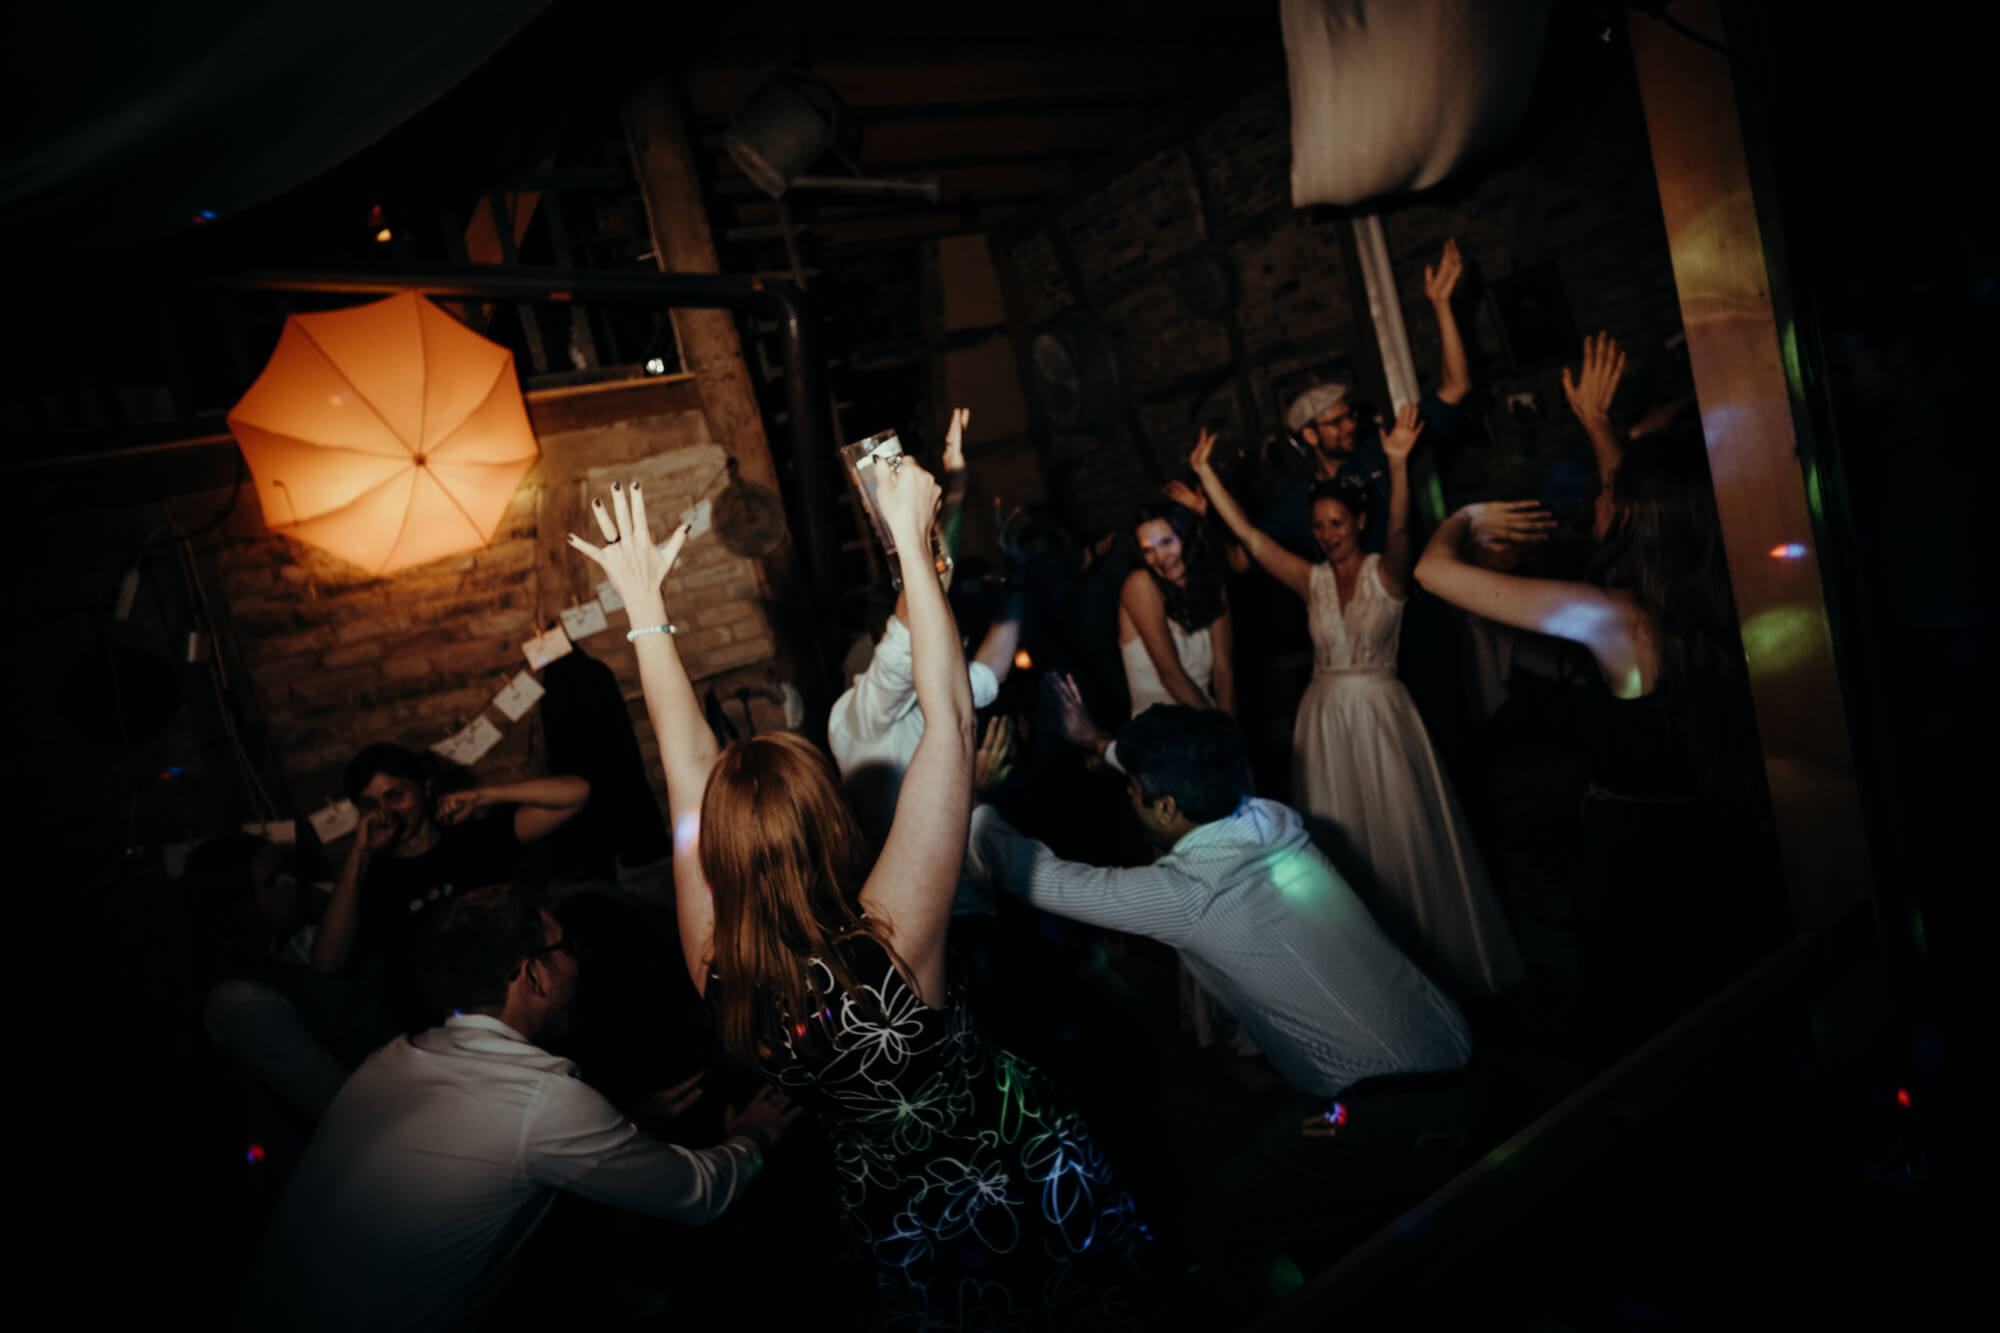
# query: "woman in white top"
(1173, 616)
(1360, 755)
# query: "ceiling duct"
(779, 131)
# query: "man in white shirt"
(874, 727)
(444, 1151)
(1267, 924)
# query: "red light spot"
(255, 1156)
(1902, 1096)
(1022, 661)
(799, 1029)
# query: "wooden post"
(1761, 491)
(670, 185)
(663, 160)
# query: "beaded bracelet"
(632, 634)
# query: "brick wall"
(1120, 248)
(331, 659)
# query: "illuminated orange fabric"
(389, 434)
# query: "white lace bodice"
(1360, 636)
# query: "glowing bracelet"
(632, 634)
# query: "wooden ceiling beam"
(916, 72)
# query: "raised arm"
(1399, 552)
(1590, 394)
(1003, 638)
(541, 805)
(1288, 569)
(1580, 612)
(1141, 603)
(954, 478)
(636, 568)
(1456, 380)
(911, 889)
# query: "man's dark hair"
(1194, 755)
(383, 757)
(471, 946)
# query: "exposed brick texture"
(331, 659)
(1120, 248)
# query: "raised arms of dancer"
(1456, 380)
(1580, 612)
(1589, 395)
(910, 891)
(1399, 551)
(1222, 678)
(1291, 570)
(636, 568)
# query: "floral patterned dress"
(981, 1201)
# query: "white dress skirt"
(1362, 761)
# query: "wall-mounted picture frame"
(1532, 312)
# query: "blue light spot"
(687, 830)
(206, 215)
(1789, 551)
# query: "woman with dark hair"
(1665, 720)
(979, 1199)
(1173, 616)
(1360, 755)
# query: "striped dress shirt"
(1272, 931)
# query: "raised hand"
(455, 806)
(954, 439)
(995, 759)
(908, 497)
(633, 565)
(1078, 728)
(1403, 438)
(1204, 450)
(1186, 496)
(1502, 523)
(1590, 391)
(1439, 281)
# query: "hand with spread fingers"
(995, 759)
(1077, 725)
(633, 565)
(1498, 523)
(1402, 438)
(1591, 390)
(1186, 496)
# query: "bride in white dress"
(1360, 755)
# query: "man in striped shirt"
(1268, 925)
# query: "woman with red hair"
(978, 1197)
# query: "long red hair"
(785, 860)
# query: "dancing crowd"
(1057, 742)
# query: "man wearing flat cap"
(1338, 443)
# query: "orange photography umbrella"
(389, 434)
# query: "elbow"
(1426, 571)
